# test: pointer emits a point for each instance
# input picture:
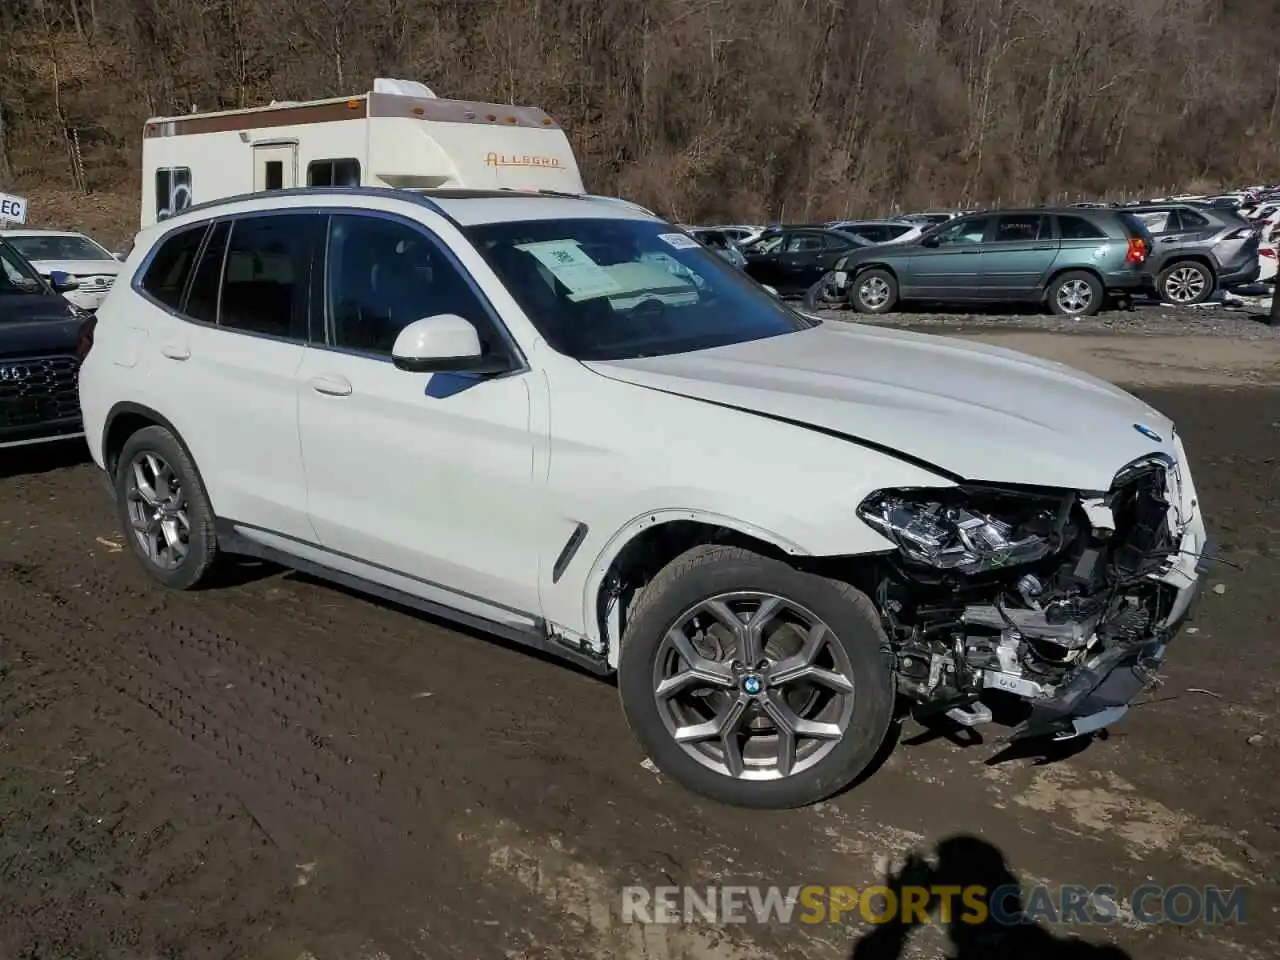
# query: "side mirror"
(929, 242)
(121, 256)
(62, 282)
(445, 343)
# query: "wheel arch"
(1059, 272)
(647, 543)
(884, 265)
(633, 556)
(1200, 259)
(124, 420)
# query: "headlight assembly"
(959, 535)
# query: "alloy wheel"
(753, 686)
(873, 293)
(1074, 296)
(1185, 285)
(158, 510)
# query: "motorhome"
(399, 134)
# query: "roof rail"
(392, 192)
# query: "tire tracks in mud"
(314, 772)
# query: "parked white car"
(561, 421)
(86, 262)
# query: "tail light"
(1244, 232)
(1137, 251)
(84, 336)
(1267, 252)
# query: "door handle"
(971, 253)
(331, 385)
(175, 351)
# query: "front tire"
(164, 509)
(753, 683)
(1075, 294)
(874, 291)
(1185, 283)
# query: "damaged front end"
(1065, 600)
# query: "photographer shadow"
(1003, 931)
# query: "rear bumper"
(1236, 275)
(1125, 281)
(1100, 691)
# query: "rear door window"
(804, 242)
(1158, 221)
(267, 274)
(963, 231)
(1014, 228)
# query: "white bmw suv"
(567, 422)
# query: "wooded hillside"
(704, 109)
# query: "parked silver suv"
(1198, 249)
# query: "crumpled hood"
(971, 410)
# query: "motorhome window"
(264, 284)
(382, 276)
(173, 191)
(202, 298)
(274, 175)
(333, 173)
(166, 277)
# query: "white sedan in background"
(88, 263)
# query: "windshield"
(54, 247)
(16, 276)
(603, 289)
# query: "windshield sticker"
(567, 262)
(679, 241)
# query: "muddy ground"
(278, 769)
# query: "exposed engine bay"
(1054, 597)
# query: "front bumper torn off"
(1100, 692)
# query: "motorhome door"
(275, 166)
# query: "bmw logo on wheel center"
(1148, 432)
(751, 685)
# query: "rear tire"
(1185, 283)
(1076, 293)
(164, 509)
(874, 291)
(679, 694)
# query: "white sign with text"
(13, 209)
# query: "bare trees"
(705, 108)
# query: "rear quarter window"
(166, 276)
(1079, 228)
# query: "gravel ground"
(1246, 321)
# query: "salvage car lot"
(277, 768)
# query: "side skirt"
(537, 635)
